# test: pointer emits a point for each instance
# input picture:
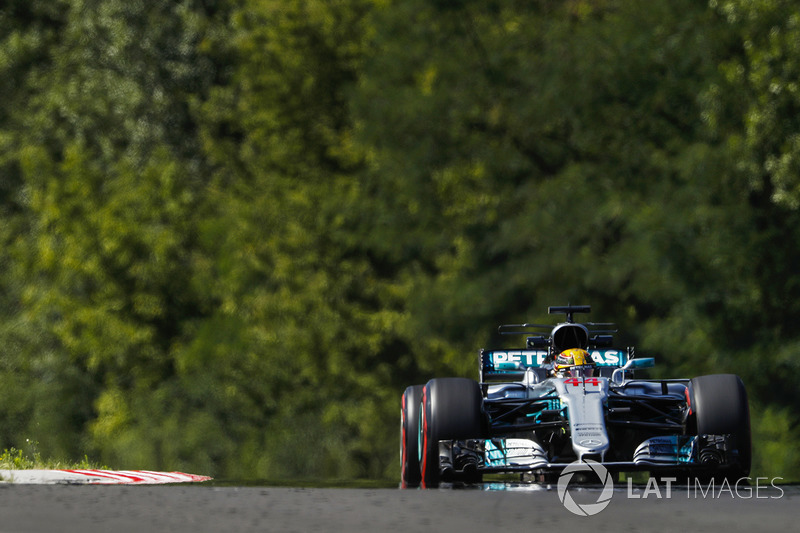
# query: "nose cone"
(584, 399)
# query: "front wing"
(510, 455)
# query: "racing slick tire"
(410, 475)
(720, 407)
(451, 409)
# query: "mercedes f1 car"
(533, 414)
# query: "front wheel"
(451, 409)
(720, 407)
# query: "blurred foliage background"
(233, 231)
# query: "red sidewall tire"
(410, 474)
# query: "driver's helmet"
(574, 362)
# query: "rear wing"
(510, 365)
(544, 341)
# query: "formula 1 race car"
(570, 396)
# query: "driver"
(573, 362)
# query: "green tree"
(518, 152)
(318, 318)
(233, 232)
(524, 156)
(751, 111)
(108, 183)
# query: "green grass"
(14, 459)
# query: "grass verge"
(14, 459)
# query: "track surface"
(89, 509)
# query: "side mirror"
(641, 362)
(632, 364)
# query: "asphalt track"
(199, 508)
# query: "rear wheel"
(410, 475)
(451, 410)
(720, 407)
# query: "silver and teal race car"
(534, 411)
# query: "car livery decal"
(499, 360)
